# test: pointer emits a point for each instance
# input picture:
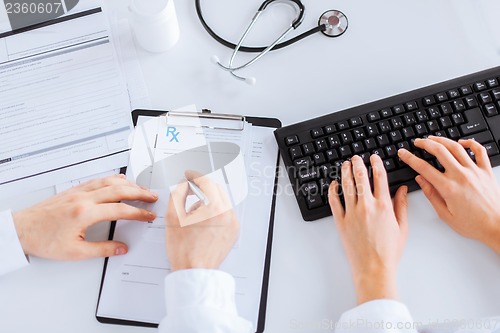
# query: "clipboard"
(272, 123)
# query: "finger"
(433, 196)
(177, 204)
(348, 186)
(119, 211)
(206, 185)
(444, 156)
(118, 193)
(380, 183)
(89, 250)
(455, 149)
(482, 159)
(420, 166)
(401, 207)
(95, 184)
(334, 200)
(361, 177)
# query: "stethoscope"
(331, 23)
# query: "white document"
(133, 288)
(64, 106)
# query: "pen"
(198, 192)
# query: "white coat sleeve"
(11, 253)
(378, 316)
(202, 300)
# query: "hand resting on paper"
(55, 228)
(202, 236)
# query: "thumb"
(102, 249)
(401, 207)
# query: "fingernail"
(402, 151)
(152, 215)
(120, 251)
(154, 195)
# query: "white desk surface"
(391, 47)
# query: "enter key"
(475, 122)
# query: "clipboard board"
(271, 123)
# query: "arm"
(466, 195)
(373, 231)
(11, 252)
(200, 298)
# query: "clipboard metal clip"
(224, 121)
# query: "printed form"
(64, 106)
(133, 287)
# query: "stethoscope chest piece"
(335, 21)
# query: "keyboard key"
(329, 129)
(391, 151)
(441, 97)
(411, 106)
(345, 152)
(481, 137)
(308, 148)
(398, 109)
(408, 133)
(303, 162)
(356, 121)
(453, 133)
(471, 102)
(466, 90)
(314, 201)
(343, 125)
(295, 152)
(389, 164)
(491, 148)
(428, 100)
(445, 122)
(440, 133)
(357, 148)
(421, 115)
(373, 116)
(485, 98)
(291, 140)
(397, 123)
(321, 145)
(306, 175)
(492, 83)
(433, 125)
(359, 134)
(403, 145)
(316, 133)
(370, 144)
(379, 152)
(496, 94)
(475, 122)
(395, 136)
(324, 186)
(382, 140)
(457, 118)
(490, 110)
(365, 157)
(446, 109)
(334, 141)
(479, 86)
(331, 155)
(401, 176)
(371, 130)
(328, 171)
(459, 105)
(453, 93)
(310, 188)
(386, 113)
(409, 119)
(346, 138)
(434, 113)
(421, 129)
(319, 158)
(384, 126)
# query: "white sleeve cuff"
(11, 253)
(202, 300)
(376, 317)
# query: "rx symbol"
(172, 131)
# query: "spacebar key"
(401, 176)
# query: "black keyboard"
(314, 150)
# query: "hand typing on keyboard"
(372, 228)
(466, 194)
